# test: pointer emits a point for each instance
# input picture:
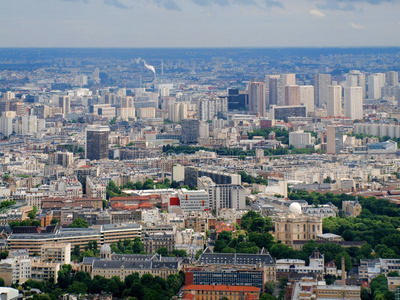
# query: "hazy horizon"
(199, 23)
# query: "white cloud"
(316, 13)
(356, 26)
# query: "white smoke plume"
(149, 67)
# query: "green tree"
(77, 288)
(54, 221)
(258, 224)
(112, 190)
(32, 214)
(269, 287)
(2, 282)
(79, 223)
(65, 276)
(267, 297)
(262, 240)
(280, 250)
(163, 251)
(41, 297)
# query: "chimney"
(343, 272)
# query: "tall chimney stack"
(343, 272)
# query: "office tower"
(190, 131)
(353, 103)
(392, 78)
(204, 130)
(5, 105)
(208, 109)
(110, 98)
(257, 101)
(177, 111)
(334, 101)
(65, 104)
(292, 95)
(276, 90)
(268, 86)
(382, 79)
(18, 107)
(7, 96)
(307, 97)
(64, 159)
(321, 83)
(127, 109)
(29, 125)
(334, 139)
(388, 92)
(237, 100)
(97, 142)
(288, 79)
(374, 86)
(6, 123)
(351, 80)
(356, 78)
(222, 196)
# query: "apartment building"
(56, 253)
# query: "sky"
(199, 23)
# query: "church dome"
(295, 208)
(105, 250)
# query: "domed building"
(295, 208)
(105, 251)
(294, 225)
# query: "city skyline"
(197, 23)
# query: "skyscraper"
(321, 83)
(6, 123)
(257, 101)
(289, 79)
(392, 78)
(127, 109)
(353, 103)
(334, 101)
(275, 91)
(65, 104)
(237, 100)
(177, 111)
(292, 95)
(307, 97)
(356, 78)
(374, 86)
(208, 109)
(334, 139)
(97, 142)
(190, 131)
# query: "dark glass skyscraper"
(97, 142)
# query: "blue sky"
(199, 23)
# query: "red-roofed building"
(188, 296)
(145, 205)
(231, 292)
(84, 202)
(222, 226)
